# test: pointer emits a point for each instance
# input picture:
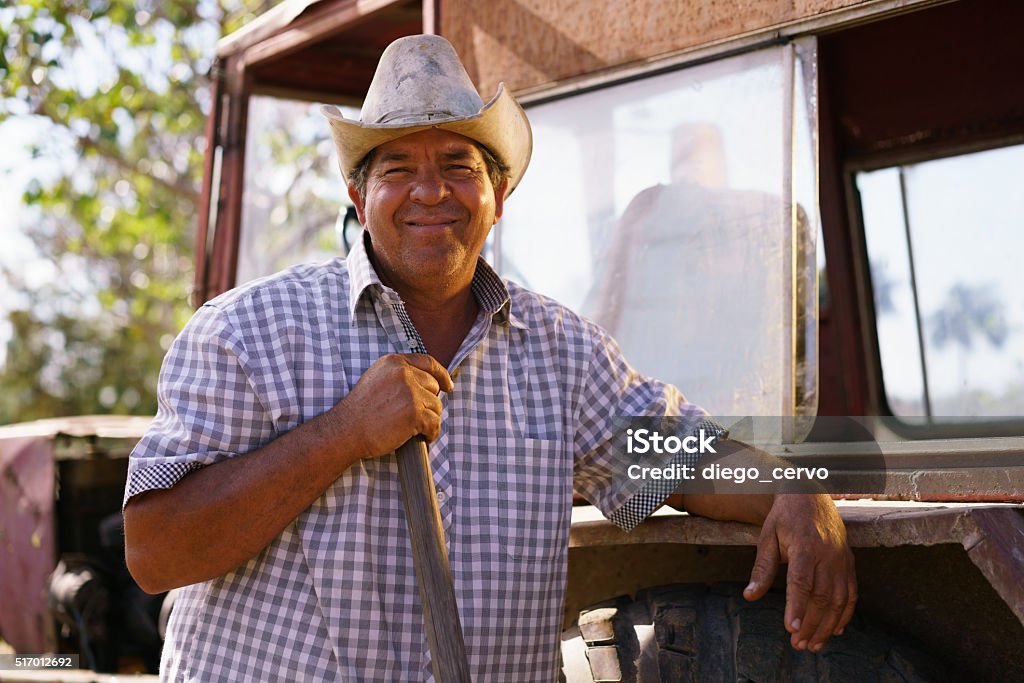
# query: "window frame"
(900, 425)
(796, 42)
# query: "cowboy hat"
(420, 83)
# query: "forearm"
(730, 501)
(803, 530)
(219, 517)
(751, 508)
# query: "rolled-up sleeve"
(209, 408)
(614, 396)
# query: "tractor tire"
(696, 633)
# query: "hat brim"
(501, 126)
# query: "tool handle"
(430, 558)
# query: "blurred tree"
(123, 87)
(969, 312)
(292, 204)
(883, 285)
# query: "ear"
(499, 200)
(358, 202)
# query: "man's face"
(429, 206)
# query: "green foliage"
(298, 187)
(123, 87)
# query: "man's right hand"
(222, 515)
(395, 400)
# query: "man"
(267, 485)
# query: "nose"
(429, 187)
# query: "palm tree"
(969, 313)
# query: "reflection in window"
(293, 190)
(663, 209)
(944, 240)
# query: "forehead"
(428, 143)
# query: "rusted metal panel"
(992, 535)
(532, 42)
(86, 426)
(210, 196)
(995, 543)
(223, 262)
(320, 50)
(296, 23)
(975, 469)
(590, 529)
(30, 454)
(947, 76)
(27, 543)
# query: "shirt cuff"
(159, 476)
(653, 494)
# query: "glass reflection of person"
(693, 279)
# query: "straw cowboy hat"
(420, 83)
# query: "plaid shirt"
(334, 597)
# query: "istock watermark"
(737, 475)
(702, 454)
(640, 441)
(851, 457)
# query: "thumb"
(766, 565)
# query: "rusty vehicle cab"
(793, 211)
(799, 211)
(64, 586)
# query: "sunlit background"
(102, 112)
(101, 147)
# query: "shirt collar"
(490, 291)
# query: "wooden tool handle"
(430, 558)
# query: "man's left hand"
(806, 532)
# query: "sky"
(966, 216)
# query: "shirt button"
(441, 496)
(456, 371)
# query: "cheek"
(483, 202)
(379, 206)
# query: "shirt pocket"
(537, 505)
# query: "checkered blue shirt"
(334, 597)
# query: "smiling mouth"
(430, 222)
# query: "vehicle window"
(944, 240)
(679, 211)
(294, 201)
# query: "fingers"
(824, 609)
(395, 399)
(799, 585)
(821, 589)
(819, 602)
(428, 379)
(766, 564)
(424, 378)
(851, 597)
(429, 365)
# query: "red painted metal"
(928, 82)
(207, 208)
(223, 261)
(27, 541)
